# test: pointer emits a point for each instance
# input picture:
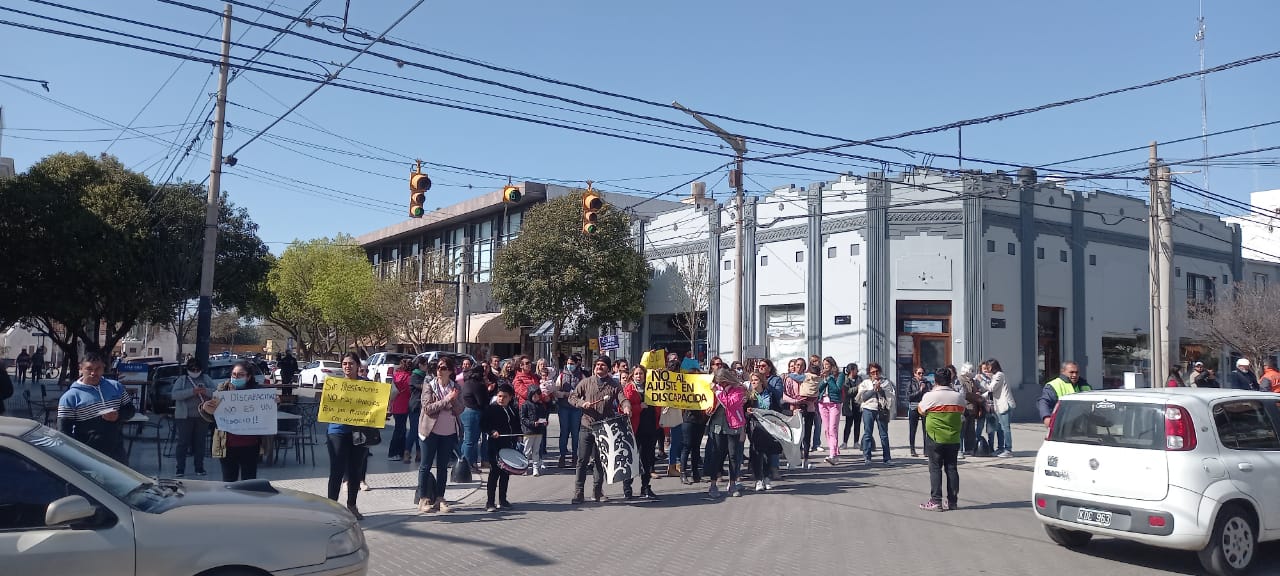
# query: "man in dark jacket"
(597, 397)
(95, 409)
(288, 368)
(915, 391)
(1242, 378)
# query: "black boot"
(648, 494)
(577, 497)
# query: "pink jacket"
(733, 398)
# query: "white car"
(1183, 468)
(314, 372)
(382, 365)
(68, 509)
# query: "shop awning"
(490, 328)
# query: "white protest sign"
(247, 412)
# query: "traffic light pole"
(213, 205)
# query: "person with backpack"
(876, 394)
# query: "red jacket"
(636, 400)
(1273, 377)
(401, 381)
(521, 383)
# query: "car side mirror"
(67, 510)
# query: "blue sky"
(851, 69)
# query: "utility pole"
(213, 206)
(1165, 223)
(1156, 356)
(739, 146)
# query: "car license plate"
(1094, 517)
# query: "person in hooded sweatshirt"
(533, 422)
(94, 409)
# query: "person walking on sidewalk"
(438, 424)
(830, 399)
(597, 398)
(943, 409)
(189, 391)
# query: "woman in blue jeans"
(1002, 400)
(567, 417)
(475, 398)
(874, 393)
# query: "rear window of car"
(1108, 423)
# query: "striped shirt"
(943, 410)
(84, 402)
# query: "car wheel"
(1233, 544)
(1068, 538)
(315, 383)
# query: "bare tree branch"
(1243, 321)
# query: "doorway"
(1048, 341)
(924, 339)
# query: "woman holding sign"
(239, 453)
(346, 459)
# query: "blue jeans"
(1006, 432)
(435, 449)
(568, 418)
(411, 442)
(470, 434)
(677, 444)
(869, 423)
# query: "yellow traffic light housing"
(419, 183)
(592, 203)
(511, 194)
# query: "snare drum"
(513, 462)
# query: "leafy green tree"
(323, 292)
(554, 272)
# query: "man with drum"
(597, 397)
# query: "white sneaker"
(767, 485)
(759, 486)
(1005, 454)
(536, 471)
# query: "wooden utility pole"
(213, 206)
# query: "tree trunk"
(556, 327)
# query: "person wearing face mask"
(189, 391)
(566, 414)
(644, 421)
(240, 455)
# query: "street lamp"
(739, 146)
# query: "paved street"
(829, 520)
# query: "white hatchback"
(1184, 468)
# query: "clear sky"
(850, 69)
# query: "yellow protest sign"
(654, 359)
(678, 390)
(354, 402)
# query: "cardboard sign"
(246, 412)
(355, 402)
(654, 359)
(678, 390)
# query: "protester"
(943, 408)
(240, 453)
(346, 456)
(413, 446)
(876, 395)
(797, 398)
(597, 397)
(776, 389)
(438, 425)
(727, 428)
(644, 421)
(830, 399)
(189, 391)
(1003, 402)
(916, 390)
(533, 422)
(761, 461)
(849, 409)
(501, 423)
(94, 409)
(400, 411)
(568, 416)
(475, 397)
(525, 379)
(694, 428)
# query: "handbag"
(366, 437)
(671, 417)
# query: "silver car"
(68, 509)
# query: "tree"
(1243, 321)
(419, 314)
(553, 271)
(691, 296)
(322, 294)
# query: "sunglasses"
(444, 368)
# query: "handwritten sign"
(246, 412)
(677, 390)
(355, 402)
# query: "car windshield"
(1107, 423)
(120, 480)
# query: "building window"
(854, 249)
(800, 256)
(1260, 280)
(1093, 259)
(1039, 253)
(991, 245)
(1013, 250)
(1226, 279)
(728, 264)
(1200, 289)
(764, 259)
(831, 252)
(1177, 271)
(1062, 255)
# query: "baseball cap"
(1198, 364)
(1242, 362)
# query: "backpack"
(982, 447)
(809, 387)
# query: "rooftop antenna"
(1204, 104)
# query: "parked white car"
(382, 365)
(1183, 468)
(314, 372)
(68, 509)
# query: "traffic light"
(510, 194)
(592, 202)
(419, 183)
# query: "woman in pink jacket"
(727, 428)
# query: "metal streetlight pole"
(739, 146)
